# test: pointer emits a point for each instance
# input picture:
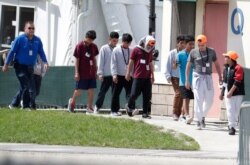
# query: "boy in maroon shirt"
(85, 70)
(141, 62)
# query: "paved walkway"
(217, 147)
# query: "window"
(183, 18)
(13, 19)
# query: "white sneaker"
(11, 107)
(116, 114)
(182, 119)
(96, 110)
(71, 106)
(89, 110)
(198, 126)
(135, 112)
(189, 119)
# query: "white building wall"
(239, 42)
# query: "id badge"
(87, 54)
(203, 69)
(142, 61)
(30, 52)
(147, 67)
(207, 64)
(91, 62)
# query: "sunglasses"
(31, 28)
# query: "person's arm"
(114, 66)
(43, 56)
(168, 68)
(130, 66)
(77, 75)
(238, 77)
(217, 66)
(101, 64)
(152, 69)
(187, 72)
(11, 54)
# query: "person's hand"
(187, 85)
(169, 80)
(220, 80)
(5, 68)
(115, 79)
(127, 77)
(221, 97)
(152, 80)
(100, 77)
(229, 94)
(77, 76)
(46, 67)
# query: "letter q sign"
(237, 26)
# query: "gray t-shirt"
(202, 60)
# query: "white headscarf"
(144, 42)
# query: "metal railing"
(244, 134)
(3, 55)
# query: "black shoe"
(128, 110)
(203, 124)
(231, 131)
(146, 116)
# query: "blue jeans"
(26, 92)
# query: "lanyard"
(204, 63)
(124, 58)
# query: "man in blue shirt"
(186, 94)
(24, 52)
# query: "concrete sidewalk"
(217, 147)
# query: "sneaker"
(71, 106)
(198, 126)
(146, 116)
(21, 103)
(89, 110)
(11, 107)
(231, 131)
(116, 114)
(96, 110)
(203, 124)
(175, 117)
(189, 119)
(182, 119)
(135, 112)
(128, 111)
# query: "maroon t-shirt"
(142, 60)
(86, 54)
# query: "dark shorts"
(186, 93)
(86, 84)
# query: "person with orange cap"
(233, 89)
(202, 83)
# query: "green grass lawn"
(63, 128)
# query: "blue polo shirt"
(25, 51)
(182, 62)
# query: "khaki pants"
(177, 103)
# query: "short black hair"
(91, 34)
(114, 34)
(189, 38)
(180, 37)
(126, 37)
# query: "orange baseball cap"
(231, 54)
(201, 39)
